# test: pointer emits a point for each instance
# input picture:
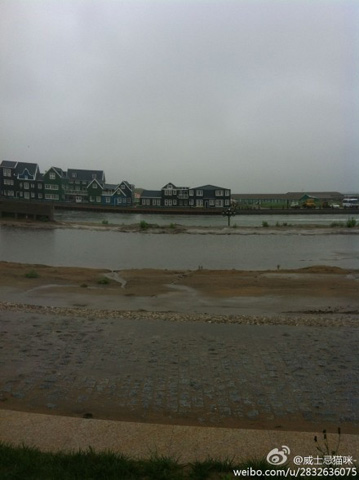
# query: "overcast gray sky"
(257, 96)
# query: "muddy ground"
(313, 289)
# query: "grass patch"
(28, 463)
(351, 222)
(32, 274)
(144, 225)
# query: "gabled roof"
(209, 187)
(128, 185)
(171, 185)
(8, 164)
(58, 171)
(24, 169)
(95, 181)
(85, 175)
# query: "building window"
(52, 176)
(98, 199)
(227, 193)
(26, 186)
(108, 200)
(191, 193)
(32, 194)
(51, 196)
(219, 193)
(50, 186)
(10, 193)
(219, 203)
(8, 182)
(199, 203)
(39, 186)
(7, 172)
(199, 193)
(39, 195)
(27, 195)
(94, 185)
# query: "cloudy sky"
(257, 96)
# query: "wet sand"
(317, 289)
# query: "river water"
(119, 250)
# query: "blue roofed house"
(121, 194)
(21, 180)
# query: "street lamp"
(229, 212)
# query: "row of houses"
(21, 180)
(205, 196)
(287, 200)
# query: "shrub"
(103, 281)
(143, 225)
(265, 224)
(104, 222)
(351, 222)
(32, 274)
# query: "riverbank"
(175, 228)
(302, 295)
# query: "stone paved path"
(172, 372)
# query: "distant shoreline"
(174, 228)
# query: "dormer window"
(52, 176)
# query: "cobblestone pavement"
(188, 373)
